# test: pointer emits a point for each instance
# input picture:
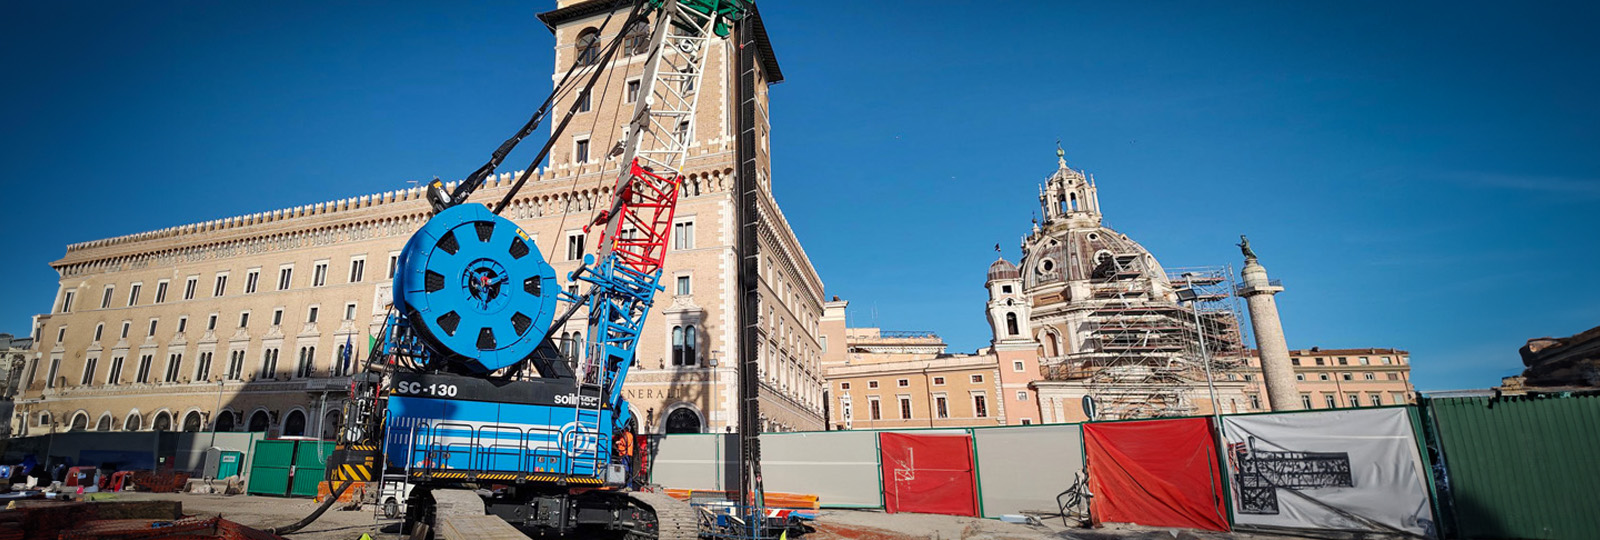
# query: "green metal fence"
(288, 467)
(1519, 466)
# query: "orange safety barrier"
(794, 501)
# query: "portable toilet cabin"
(223, 463)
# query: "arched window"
(225, 421)
(683, 420)
(259, 421)
(1072, 202)
(192, 422)
(133, 422)
(689, 339)
(80, 422)
(588, 46)
(1011, 324)
(295, 424)
(104, 424)
(330, 425)
(677, 345)
(638, 38)
(163, 422)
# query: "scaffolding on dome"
(1146, 358)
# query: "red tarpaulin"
(929, 474)
(1161, 473)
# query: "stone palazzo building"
(241, 323)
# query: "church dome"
(1003, 269)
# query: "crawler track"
(675, 519)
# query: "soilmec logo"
(579, 439)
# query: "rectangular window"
(903, 383)
(358, 270)
(682, 133)
(1295, 361)
(844, 386)
(125, 327)
(683, 286)
(183, 324)
(1365, 361)
(394, 264)
(285, 274)
(1017, 366)
(823, 340)
(873, 407)
(1344, 361)
(1299, 376)
(161, 291)
(1255, 401)
(1377, 400)
(252, 279)
(977, 378)
(1368, 376)
(1397, 398)
(1394, 376)
(99, 330)
(235, 365)
(88, 371)
(61, 334)
(133, 294)
(633, 91)
(203, 371)
(105, 299)
(585, 102)
(115, 375)
(1321, 362)
(1346, 376)
(872, 384)
(277, 317)
(221, 286)
(311, 315)
(1329, 401)
(189, 286)
(66, 302)
(683, 235)
(174, 362)
(1022, 395)
(941, 406)
(580, 150)
(143, 374)
(350, 311)
(211, 322)
(1322, 376)
(938, 381)
(152, 327)
(269, 363)
(980, 406)
(1386, 361)
(574, 246)
(244, 320)
(905, 407)
(1305, 401)
(1355, 400)
(319, 274)
(55, 366)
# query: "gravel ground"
(265, 512)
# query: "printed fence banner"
(929, 474)
(1161, 473)
(1342, 470)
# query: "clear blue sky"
(1421, 176)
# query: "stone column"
(1283, 393)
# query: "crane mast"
(447, 407)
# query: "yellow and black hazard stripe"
(509, 476)
(353, 473)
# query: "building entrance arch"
(683, 420)
(295, 424)
(259, 421)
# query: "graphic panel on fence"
(1022, 469)
(1161, 473)
(1348, 470)
(929, 474)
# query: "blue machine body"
(473, 284)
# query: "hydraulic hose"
(332, 498)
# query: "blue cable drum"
(476, 287)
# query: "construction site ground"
(266, 512)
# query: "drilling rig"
(467, 392)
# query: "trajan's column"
(1258, 291)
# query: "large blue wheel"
(474, 285)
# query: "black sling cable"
(477, 178)
(605, 62)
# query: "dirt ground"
(266, 512)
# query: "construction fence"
(1449, 468)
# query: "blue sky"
(1420, 175)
